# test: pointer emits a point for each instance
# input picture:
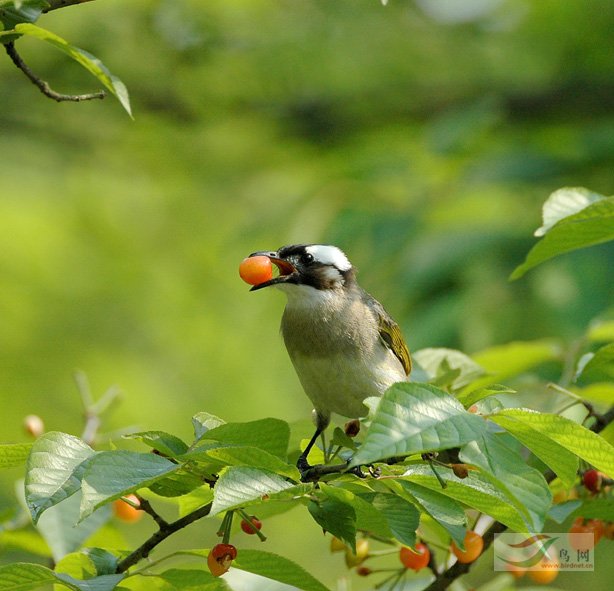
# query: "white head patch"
(329, 255)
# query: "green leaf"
(601, 392)
(112, 474)
(563, 203)
(178, 483)
(525, 485)
(469, 398)
(59, 527)
(91, 63)
(277, 568)
(600, 367)
(193, 580)
(165, 443)
(241, 455)
(601, 330)
(402, 517)
(436, 360)
(271, 435)
(13, 455)
(592, 225)
(238, 485)
(23, 576)
(14, 12)
(505, 361)
(476, 491)
(562, 511)
(195, 499)
(203, 422)
(414, 418)
(446, 511)
(336, 517)
(555, 456)
(566, 433)
(53, 470)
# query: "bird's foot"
(311, 473)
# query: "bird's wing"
(391, 335)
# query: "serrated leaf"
(53, 470)
(432, 360)
(91, 63)
(526, 486)
(203, 422)
(271, 435)
(112, 474)
(59, 527)
(238, 485)
(592, 225)
(415, 418)
(241, 455)
(176, 484)
(336, 517)
(446, 511)
(23, 576)
(562, 462)
(402, 517)
(277, 568)
(469, 398)
(474, 491)
(566, 433)
(165, 443)
(13, 455)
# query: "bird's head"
(317, 266)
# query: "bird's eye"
(307, 258)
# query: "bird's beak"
(285, 269)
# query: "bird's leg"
(302, 464)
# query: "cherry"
(592, 480)
(256, 270)
(250, 527)
(336, 545)
(125, 511)
(474, 544)
(416, 558)
(220, 558)
(362, 551)
(543, 577)
(580, 526)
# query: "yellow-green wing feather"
(391, 335)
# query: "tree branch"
(166, 529)
(44, 86)
(55, 4)
(445, 579)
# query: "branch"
(44, 86)
(55, 4)
(445, 579)
(166, 529)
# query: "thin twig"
(55, 4)
(144, 505)
(44, 86)
(164, 532)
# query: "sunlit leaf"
(112, 474)
(54, 469)
(238, 485)
(592, 225)
(91, 63)
(165, 443)
(14, 454)
(415, 418)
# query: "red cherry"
(593, 480)
(416, 558)
(220, 558)
(250, 530)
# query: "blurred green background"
(421, 137)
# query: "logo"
(544, 551)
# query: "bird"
(343, 344)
